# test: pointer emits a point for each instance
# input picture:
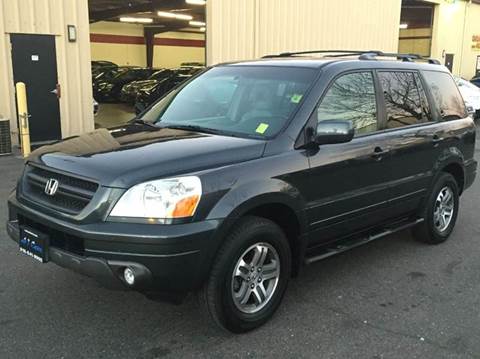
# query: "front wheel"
(441, 211)
(249, 276)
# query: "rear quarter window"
(446, 96)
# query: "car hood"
(140, 83)
(471, 96)
(124, 156)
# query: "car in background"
(188, 70)
(95, 107)
(130, 91)
(476, 81)
(109, 89)
(471, 96)
(105, 74)
(99, 66)
(148, 95)
(197, 64)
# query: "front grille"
(72, 196)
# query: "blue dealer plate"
(34, 244)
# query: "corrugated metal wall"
(253, 28)
(51, 17)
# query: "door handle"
(57, 91)
(437, 138)
(379, 152)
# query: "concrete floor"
(393, 298)
(113, 114)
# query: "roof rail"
(362, 55)
(290, 54)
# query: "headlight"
(160, 199)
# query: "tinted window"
(351, 98)
(249, 100)
(405, 100)
(446, 95)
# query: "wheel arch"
(282, 204)
(452, 162)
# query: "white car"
(471, 95)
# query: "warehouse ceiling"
(417, 14)
(113, 10)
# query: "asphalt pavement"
(393, 298)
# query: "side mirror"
(334, 131)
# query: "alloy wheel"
(444, 209)
(255, 278)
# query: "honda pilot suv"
(231, 182)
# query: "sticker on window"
(296, 98)
(261, 128)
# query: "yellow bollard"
(23, 118)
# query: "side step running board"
(343, 246)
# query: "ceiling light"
(196, 2)
(143, 20)
(404, 26)
(196, 23)
(174, 16)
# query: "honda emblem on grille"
(51, 187)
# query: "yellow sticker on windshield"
(296, 98)
(261, 128)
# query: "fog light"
(129, 276)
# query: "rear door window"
(405, 100)
(445, 93)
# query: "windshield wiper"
(143, 122)
(195, 128)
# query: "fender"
(249, 195)
(450, 155)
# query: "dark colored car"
(99, 65)
(476, 81)
(188, 70)
(104, 75)
(192, 64)
(147, 95)
(130, 91)
(237, 178)
(108, 90)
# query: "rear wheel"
(440, 212)
(249, 276)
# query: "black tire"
(218, 293)
(428, 231)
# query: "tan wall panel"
(415, 32)
(5, 85)
(173, 56)
(121, 54)
(469, 56)
(230, 30)
(51, 17)
(253, 28)
(454, 25)
(408, 42)
(415, 46)
(116, 28)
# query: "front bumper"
(167, 258)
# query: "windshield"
(250, 101)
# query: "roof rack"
(362, 55)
